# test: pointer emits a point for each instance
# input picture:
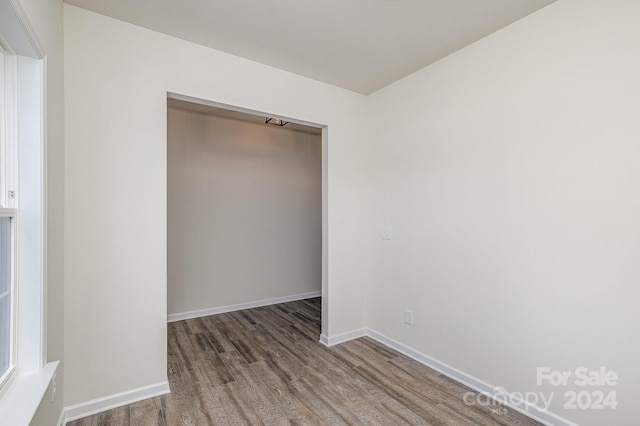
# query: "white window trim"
(30, 205)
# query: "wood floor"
(265, 366)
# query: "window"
(6, 297)
(7, 221)
(22, 219)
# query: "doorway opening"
(246, 209)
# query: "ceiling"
(360, 45)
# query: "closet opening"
(246, 213)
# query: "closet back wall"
(244, 211)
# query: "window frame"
(3, 125)
(7, 376)
(24, 134)
(8, 179)
(8, 128)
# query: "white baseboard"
(478, 385)
(240, 306)
(343, 337)
(324, 339)
(84, 409)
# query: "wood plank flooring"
(265, 366)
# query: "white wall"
(244, 211)
(45, 17)
(509, 172)
(117, 78)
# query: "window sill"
(19, 404)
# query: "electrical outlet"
(408, 317)
(53, 388)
